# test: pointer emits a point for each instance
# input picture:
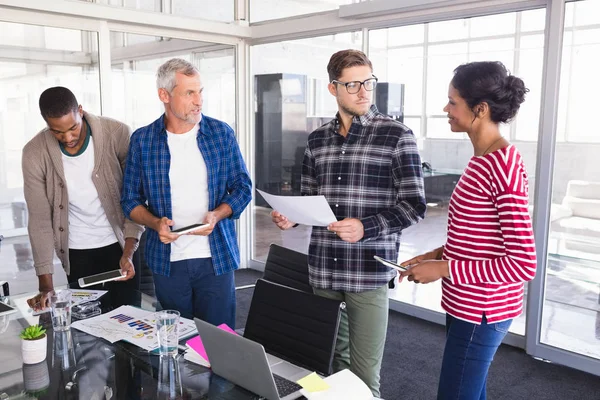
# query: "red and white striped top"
(490, 244)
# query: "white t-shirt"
(88, 225)
(189, 194)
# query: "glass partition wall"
(571, 305)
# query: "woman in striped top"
(490, 250)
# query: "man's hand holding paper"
(281, 220)
(350, 230)
(305, 210)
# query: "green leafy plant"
(32, 332)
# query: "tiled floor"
(571, 317)
(571, 314)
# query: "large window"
(135, 59)
(291, 100)
(421, 58)
(34, 58)
(571, 311)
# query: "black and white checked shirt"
(373, 174)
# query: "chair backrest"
(287, 267)
(296, 326)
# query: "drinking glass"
(60, 301)
(167, 330)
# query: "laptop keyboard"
(285, 386)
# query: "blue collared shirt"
(146, 183)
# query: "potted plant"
(33, 344)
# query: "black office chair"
(287, 267)
(296, 326)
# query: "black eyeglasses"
(354, 86)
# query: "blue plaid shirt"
(146, 183)
(373, 174)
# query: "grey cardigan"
(46, 190)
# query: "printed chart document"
(130, 324)
(305, 210)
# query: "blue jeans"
(468, 354)
(194, 290)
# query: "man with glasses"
(368, 168)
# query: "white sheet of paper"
(305, 210)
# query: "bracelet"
(295, 225)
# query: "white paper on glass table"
(305, 210)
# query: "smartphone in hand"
(390, 264)
(100, 278)
(189, 228)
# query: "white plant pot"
(34, 351)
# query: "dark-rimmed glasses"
(353, 87)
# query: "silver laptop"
(246, 364)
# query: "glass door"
(564, 325)
(571, 309)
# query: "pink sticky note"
(196, 343)
(225, 327)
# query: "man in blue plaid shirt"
(186, 168)
(368, 168)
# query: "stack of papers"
(195, 349)
(195, 352)
(342, 385)
(313, 383)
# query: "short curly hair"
(56, 102)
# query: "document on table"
(305, 210)
(131, 324)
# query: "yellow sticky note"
(313, 383)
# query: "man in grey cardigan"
(73, 173)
